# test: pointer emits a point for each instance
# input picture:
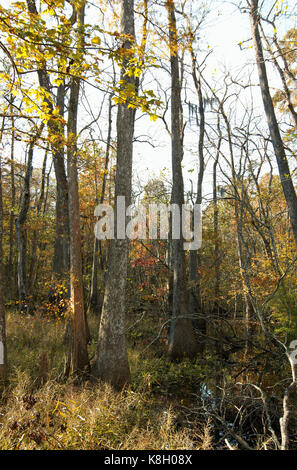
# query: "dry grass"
(59, 415)
(65, 416)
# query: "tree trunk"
(61, 259)
(3, 355)
(281, 158)
(195, 301)
(95, 306)
(10, 264)
(282, 76)
(21, 232)
(56, 135)
(216, 217)
(35, 245)
(79, 350)
(112, 362)
(182, 340)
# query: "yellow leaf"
(96, 40)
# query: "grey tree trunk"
(216, 215)
(282, 75)
(195, 301)
(95, 306)
(61, 259)
(21, 232)
(79, 350)
(3, 353)
(35, 245)
(280, 154)
(112, 359)
(10, 265)
(182, 340)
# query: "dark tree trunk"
(182, 340)
(21, 231)
(195, 301)
(3, 353)
(79, 350)
(35, 245)
(282, 75)
(281, 158)
(61, 260)
(56, 135)
(95, 306)
(216, 217)
(10, 264)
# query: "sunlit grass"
(62, 415)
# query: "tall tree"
(79, 350)
(195, 301)
(278, 145)
(10, 265)
(182, 340)
(112, 358)
(3, 355)
(35, 245)
(94, 292)
(216, 213)
(20, 227)
(56, 137)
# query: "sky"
(224, 28)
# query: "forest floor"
(166, 406)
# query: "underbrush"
(67, 416)
(201, 404)
(61, 414)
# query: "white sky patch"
(225, 27)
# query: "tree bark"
(61, 259)
(216, 216)
(79, 350)
(280, 154)
(282, 77)
(10, 264)
(35, 245)
(21, 232)
(3, 353)
(182, 340)
(56, 135)
(195, 300)
(112, 359)
(95, 306)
